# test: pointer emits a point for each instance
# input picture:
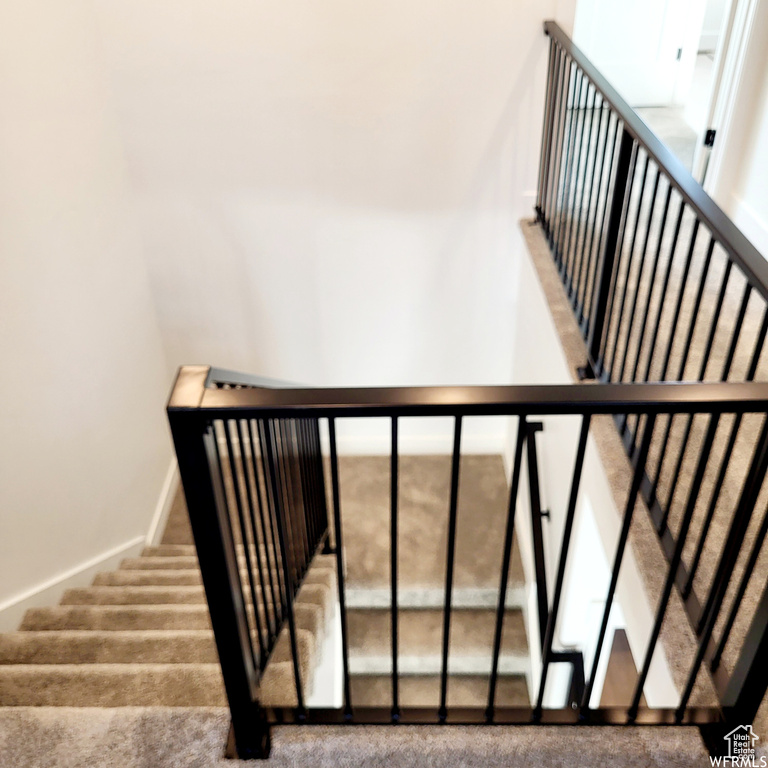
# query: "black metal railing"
(197, 405)
(256, 497)
(665, 288)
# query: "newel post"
(194, 441)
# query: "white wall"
(84, 449)
(739, 182)
(327, 191)
(714, 14)
(322, 193)
(635, 44)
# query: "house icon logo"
(741, 748)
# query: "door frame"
(730, 64)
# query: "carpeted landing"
(193, 738)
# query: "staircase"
(141, 635)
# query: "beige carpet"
(183, 738)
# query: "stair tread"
(421, 630)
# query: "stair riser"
(420, 632)
(145, 647)
(152, 594)
(115, 685)
(112, 685)
(190, 562)
(159, 578)
(119, 618)
(190, 647)
(424, 691)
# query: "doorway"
(670, 60)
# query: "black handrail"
(739, 248)
(554, 399)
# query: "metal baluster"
(442, 712)
(581, 201)
(674, 565)
(680, 298)
(581, 124)
(244, 537)
(298, 497)
(724, 376)
(587, 299)
(546, 132)
(537, 533)
(287, 557)
(268, 542)
(728, 557)
(508, 536)
(742, 589)
(652, 283)
(393, 568)
(647, 307)
(560, 240)
(605, 269)
(340, 566)
(622, 543)
(256, 548)
(602, 372)
(554, 142)
(546, 653)
(308, 499)
(271, 499)
(684, 360)
(664, 289)
(565, 84)
(636, 296)
(630, 260)
(726, 461)
(317, 453)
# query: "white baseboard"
(49, 592)
(164, 504)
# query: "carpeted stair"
(424, 482)
(141, 636)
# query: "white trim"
(533, 673)
(49, 592)
(328, 679)
(164, 504)
(730, 66)
(708, 40)
(749, 221)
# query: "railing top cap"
(194, 391)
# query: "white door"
(645, 48)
